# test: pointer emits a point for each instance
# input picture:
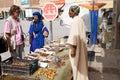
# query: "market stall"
(53, 64)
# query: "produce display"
(18, 66)
(64, 57)
(59, 64)
(48, 73)
(18, 63)
(44, 55)
(48, 59)
(31, 56)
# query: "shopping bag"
(3, 45)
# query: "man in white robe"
(77, 42)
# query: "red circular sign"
(50, 11)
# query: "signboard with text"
(50, 11)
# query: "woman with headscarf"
(77, 43)
(36, 32)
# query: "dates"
(59, 64)
(64, 57)
(18, 63)
(48, 73)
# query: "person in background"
(14, 33)
(78, 48)
(102, 32)
(37, 32)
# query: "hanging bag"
(3, 45)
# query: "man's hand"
(73, 54)
(73, 51)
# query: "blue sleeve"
(30, 29)
(45, 29)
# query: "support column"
(94, 26)
(116, 25)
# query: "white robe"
(77, 38)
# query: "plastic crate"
(91, 55)
(8, 68)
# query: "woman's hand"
(45, 33)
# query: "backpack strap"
(13, 37)
(12, 25)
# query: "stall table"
(63, 72)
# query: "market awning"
(57, 1)
(109, 4)
(90, 5)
